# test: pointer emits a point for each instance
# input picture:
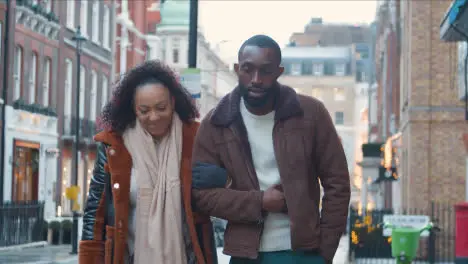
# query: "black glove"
(208, 176)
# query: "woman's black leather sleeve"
(95, 195)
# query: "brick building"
(316, 32)
(136, 20)
(432, 162)
(96, 20)
(40, 110)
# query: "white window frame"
(95, 36)
(340, 69)
(46, 82)
(67, 111)
(317, 69)
(462, 50)
(106, 28)
(343, 119)
(33, 78)
(18, 72)
(105, 91)
(93, 96)
(317, 93)
(296, 69)
(71, 14)
(339, 94)
(175, 49)
(84, 18)
(82, 91)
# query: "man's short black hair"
(262, 41)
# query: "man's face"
(257, 70)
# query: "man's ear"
(280, 71)
(236, 67)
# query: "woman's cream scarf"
(159, 238)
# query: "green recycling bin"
(405, 242)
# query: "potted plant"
(66, 231)
(54, 230)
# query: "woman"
(139, 207)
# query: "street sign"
(411, 221)
(191, 80)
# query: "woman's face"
(154, 107)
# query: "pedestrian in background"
(275, 146)
(139, 203)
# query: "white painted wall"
(22, 125)
(216, 78)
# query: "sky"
(227, 23)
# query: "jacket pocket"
(91, 252)
(109, 246)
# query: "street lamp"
(79, 39)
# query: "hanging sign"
(191, 80)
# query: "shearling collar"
(228, 109)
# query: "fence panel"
(368, 245)
(21, 222)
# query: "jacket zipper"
(259, 223)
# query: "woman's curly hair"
(119, 113)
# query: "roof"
(316, 52)
(175, 13)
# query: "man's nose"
(256, 78)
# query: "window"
(340, 69)
(95, 27)
(175, 50)
(307, 68)
(32, 79)
(105, 89)
(68, 88)
(18, 73)
(1, 34)
(82, 91)
(339, 118)
(296, 69)
(318, 69)
(462, 53)
(106, 28)
(71, 14)
(84, 17)
(317, 93)
(46, 83)
(339, 94)
(92, 99)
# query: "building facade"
(31, 136)
(216, 78)
(135, 21)
(316, 32)
(431, 159)
(96, 20)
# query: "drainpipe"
(6, 46)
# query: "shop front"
(31, 153)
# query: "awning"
(454, 26)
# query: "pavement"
(61, 255)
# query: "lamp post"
(79, 39)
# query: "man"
(275, 146)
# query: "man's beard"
(255, 102)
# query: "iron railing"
(21, 223)
(368, 245)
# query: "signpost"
(191, 79)
(409, 221)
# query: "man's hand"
(273, 199)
